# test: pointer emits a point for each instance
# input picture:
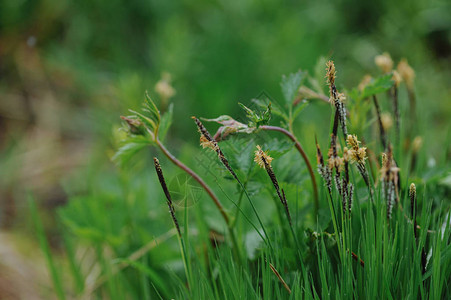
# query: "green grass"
(325, 254)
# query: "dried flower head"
(359, 155)
(346, 154)
(387, 121)
(330, 72)
(406, 72)
(341, 97)
(262, 158)
(356, 153)
(353, 142)
(389, 170)
(396, 78)
(384, 62)
(205, 143)
(334, 161)
(163, 86)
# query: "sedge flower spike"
(207, 141)
(390, 177)
(169, 202)
(337, 99)
(330, 72)
(264, 161)
(262, 158)
(356, 153)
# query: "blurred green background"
(69, 69)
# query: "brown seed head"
(346, 154)
(341, 97)
(384, 62)
(406, 72)
(164, 87)
(336, 162)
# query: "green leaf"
(153, 275)
(300, 107)
(276, 148)
(130, 147)
(45, 247)
(257, 119)
(317, 81)
(151, 108)
(290, 85)
(376, 86)
(166, 121)
(275, 107)
(150, 116)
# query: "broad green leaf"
(376, 86)
(290, 85)
(318, 81)
(276, 148)
(300, 107)
(130, 147)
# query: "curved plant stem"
(302, 152)
(209, 192)
(197, 178)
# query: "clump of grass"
(390, 179)
(362, 245)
